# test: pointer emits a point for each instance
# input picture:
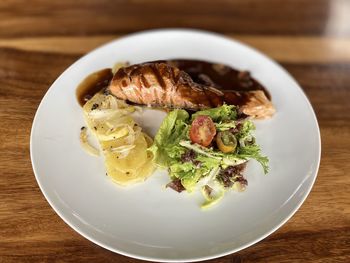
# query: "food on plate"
(208, 150)
(93, 84)
(163, 84)
(122, 142)
(205, 141)
(202, 130)
(226, 141)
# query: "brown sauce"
(218, 75)
(221, 76)
(92, 84)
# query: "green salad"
(207, 150)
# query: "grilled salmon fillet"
(162, 84)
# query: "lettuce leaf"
(248, 148)
(224, 126)
(214, 156)
(166, 148)
(219, 114)
(190, 180)
(253, 151)
(172, 141)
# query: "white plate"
(148, 221)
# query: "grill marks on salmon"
(158, 84)
(161, 84)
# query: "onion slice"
(85, 143)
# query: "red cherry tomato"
(202, 130)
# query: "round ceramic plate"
(148, 221)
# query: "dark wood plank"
(300, 49)
(326, 85)
(89, 17)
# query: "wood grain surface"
(40, 39)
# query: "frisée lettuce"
(194, 166)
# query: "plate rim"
(215, 255)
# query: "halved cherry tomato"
(226, 141)
(202, 130)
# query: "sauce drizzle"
(221, 76)
(93, 84)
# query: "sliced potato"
(135, 159)
(123, 178)
(123, 144)
(148, 168)
(129, 177)
(104, 133)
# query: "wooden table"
(39, 39)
